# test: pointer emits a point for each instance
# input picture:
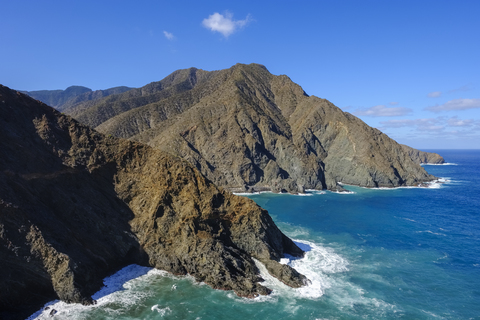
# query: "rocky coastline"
(422, 157)
(152, 183)
(76, 206)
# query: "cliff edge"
(422, 157)
(76, 206)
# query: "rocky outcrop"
(75, 206)
(422, 157)
(246, 129)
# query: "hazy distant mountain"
(56, 98)
(76, 206)
(245, 128)
(96, 112)
(68, 98)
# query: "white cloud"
(427, 122)
(430, 128)
(466, 87)
(455, 122)
(435, 131)
(456, 104)
(434, 94)
(425, 126)
(435, 125)
(382, 111)
(224, 23)
(168, 35)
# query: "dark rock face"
(75, 206)
(246, 129)
(422, 156)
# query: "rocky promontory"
(246, 129)
(422, 157)
(76, 206)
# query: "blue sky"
(409, 68)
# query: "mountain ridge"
(246, 129)
(73, 95)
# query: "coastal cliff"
(246, 129)
(76, 206)
(422, 157)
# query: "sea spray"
(317, 264)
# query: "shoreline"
(340, 190)
(422, 185)
(128, 277)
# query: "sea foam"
(119, 294)
(161, 311)
(316, 265)
(250, 193)
(111, 294)
(435, 184)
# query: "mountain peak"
(246, 129)
(252, 65)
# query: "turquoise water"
(408, 253)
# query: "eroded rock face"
(421, 157)
(246, 129)
(75, 206)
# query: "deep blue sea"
(406, 253)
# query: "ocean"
(405, 253)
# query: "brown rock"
(76, 206)
(245, 129)
(422, 157)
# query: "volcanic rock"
(76, 206)
(422, 157)
(247, 129)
